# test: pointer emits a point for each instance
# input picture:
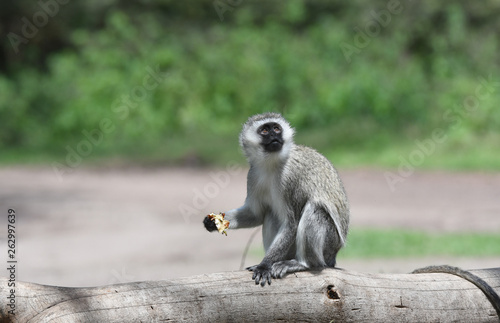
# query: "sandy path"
(99, 226)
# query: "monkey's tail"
(245, 252)
(467, 275)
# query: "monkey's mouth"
(274, 145)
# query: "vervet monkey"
(297, 196)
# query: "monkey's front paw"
(209, 224)
(251, 268)
(261, 274)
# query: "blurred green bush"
(410, 72)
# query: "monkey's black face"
(272, 138)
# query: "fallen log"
(332, 295)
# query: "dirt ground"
(103, 226)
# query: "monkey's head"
(266, 136)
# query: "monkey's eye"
(264, 132)
(277, 129)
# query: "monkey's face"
(271, 136)
(266, 137)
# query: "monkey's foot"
(280, 268)
(261, 274)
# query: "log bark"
(333, 295)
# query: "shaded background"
(350, 76)
(126, 88)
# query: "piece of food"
(219, 221)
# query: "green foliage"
(378, 243)
(365, 243)
(412, 76)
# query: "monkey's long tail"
(245, 252)
(467, 275)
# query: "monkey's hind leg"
(317, 243)
(280, 268)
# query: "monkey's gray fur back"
(325, 188)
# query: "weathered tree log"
(332, 295)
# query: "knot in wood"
(332, 293)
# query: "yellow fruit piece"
(220, 223)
